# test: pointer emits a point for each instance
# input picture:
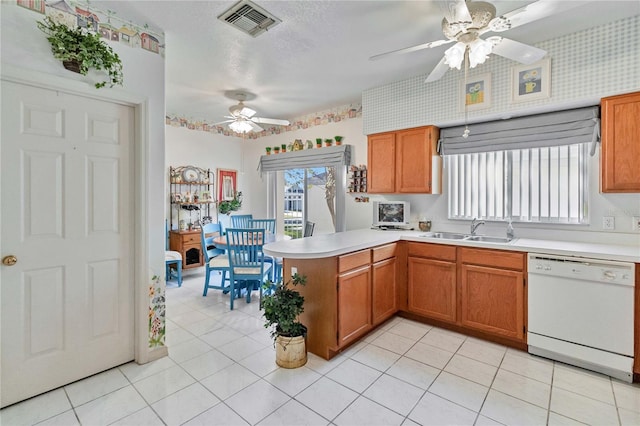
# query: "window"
(546, 184)
(309, 195)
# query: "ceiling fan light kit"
(465, 21)
(242, 118)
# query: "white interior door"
(67, 217)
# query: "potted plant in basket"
(282, 305)
(79, 50)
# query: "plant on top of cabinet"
(79, 50)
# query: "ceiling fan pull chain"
(466, 132)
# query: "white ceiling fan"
(242, 118)
(464, 23)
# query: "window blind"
(535, 131)
(307, 158)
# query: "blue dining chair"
(215, 259)
(269, 225)
(171, 258)
(240, 220)
(246, 261)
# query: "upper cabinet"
(405, 161)
(620, 143)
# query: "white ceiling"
(318, 57)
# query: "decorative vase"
(291, 352)
(72, 65)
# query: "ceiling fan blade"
(270, 121)
(223, 122)
(529, 13)
(455, 11)
(438, 71)
(411, 49)
(247, 112)
(516, 51)
(255, 127)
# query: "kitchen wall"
(186, 147)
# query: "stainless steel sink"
(487, 239)
(449, 235)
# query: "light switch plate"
(294, 270)
(608, 223)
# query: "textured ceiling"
(317, 57)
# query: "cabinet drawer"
(191, 238)
(433, 251)
(383, 252)
(497, 258)
(353, 260)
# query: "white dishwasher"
(580, 311)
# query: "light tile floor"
(221, 371)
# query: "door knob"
(9, 260)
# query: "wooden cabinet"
(187, 243)
(492, 291)
(405, 161)
(383, 283)
(431, 280)
(620, 146)
(354, 304)
(381, 159)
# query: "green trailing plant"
(226, 207)
(86, 49)
(282, 307)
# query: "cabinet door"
(493, 300)
(354, 304)
(384, 290)
(432, 288)
(620, 147)
(381, 158)
(413, 160)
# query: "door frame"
(140, 161)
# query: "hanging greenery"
(79, 50)
(226, 207)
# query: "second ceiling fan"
(243, 119)
(464, 23)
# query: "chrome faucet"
(474, 225)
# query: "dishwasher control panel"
(582, 268)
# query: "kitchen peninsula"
(358, 279)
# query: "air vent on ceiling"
(249, 18)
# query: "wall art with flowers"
(531, 82)
(157, 310)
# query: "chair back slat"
(269, 225)
(308, 229)
(244, 247)
(208, 232)
(240, 220)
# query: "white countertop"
(329, 245)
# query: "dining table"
(221, 240)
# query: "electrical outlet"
(608, 223)
(635, 224)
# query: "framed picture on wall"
(531, 82)
(227, 184)
(476, 92)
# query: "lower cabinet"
(492, 292)
(189, 245)
(431, 281)
(383, 285)
(354, 304)
(432, 288)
